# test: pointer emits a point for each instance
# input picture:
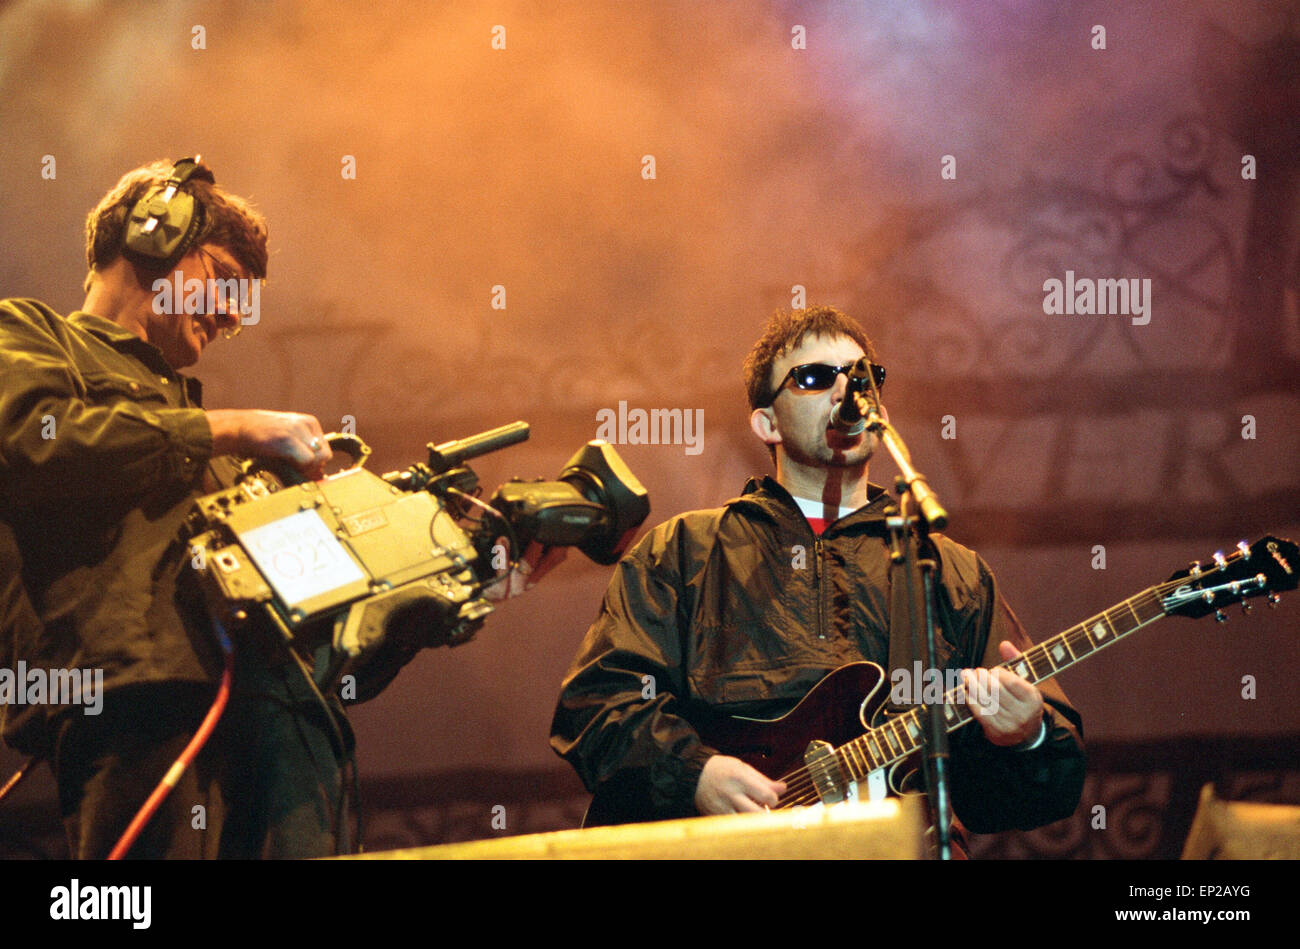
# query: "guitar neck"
(901, 735)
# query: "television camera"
(381, 566)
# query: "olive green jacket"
(103, 448)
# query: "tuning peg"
(1244, 548)
(1194, 568)
(1219, 559)
(1221, 616)
(1273, 600)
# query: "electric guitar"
(824, 753)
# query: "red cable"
(17, 778)
(173, 775)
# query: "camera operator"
(104, 447)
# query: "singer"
(743, 609)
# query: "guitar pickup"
(828, 776)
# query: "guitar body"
(838, 709)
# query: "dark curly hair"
(786, 330)
(229, 221)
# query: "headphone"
(164, 224)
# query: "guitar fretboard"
(901, 735)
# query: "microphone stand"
(908, 535)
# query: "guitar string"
(801, 784)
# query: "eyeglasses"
(223, 274)
(818, 376)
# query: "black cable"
(493, 512)
(343, 753)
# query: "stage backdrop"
(489, 211)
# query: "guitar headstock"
(1265, 568)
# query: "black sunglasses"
(816, 376)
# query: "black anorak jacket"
(741, 610)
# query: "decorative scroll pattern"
(1039, 390)
(953, 294)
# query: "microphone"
(846, 417)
